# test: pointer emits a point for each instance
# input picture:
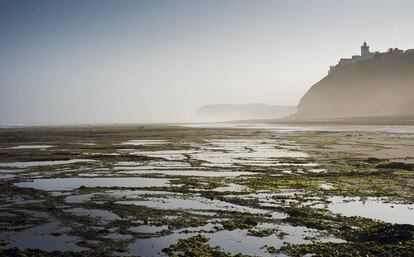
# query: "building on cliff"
(382, 84)
(365, 54)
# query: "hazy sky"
(152, 61)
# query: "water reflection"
(62, 184)
(373, 208)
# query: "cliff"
(381, 86)
(228, 112)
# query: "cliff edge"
(380, 86)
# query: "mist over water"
(157, 61)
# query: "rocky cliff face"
(383, 85)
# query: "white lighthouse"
(365, 53)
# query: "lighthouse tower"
(365, 50)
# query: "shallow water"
(118, 236)
(152, 165)
(78, 198)
(31, 147)
(238, 241)
(235, 241)
(151, 247)
(145, 142)
(39, 238)
(283, 128)
(134, 193)
(171, 155)
(85, 143)
(200, 203)
(63, 184)
(82, 198)
(196, 173)
(5, 176)
(373, 208)
(94, 213)
(233, 152)
(42, 163)
(148, 229)
(229, 152)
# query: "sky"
(99, 61)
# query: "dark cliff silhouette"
(380, 86)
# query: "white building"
(365, 51)
(365, 54)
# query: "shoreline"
(403, 120)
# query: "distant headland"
(370, 84)
(373, 88)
